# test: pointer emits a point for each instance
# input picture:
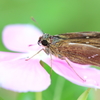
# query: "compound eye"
(44, 43)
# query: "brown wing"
(90, 38)
(80, 53)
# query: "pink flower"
(20, 75)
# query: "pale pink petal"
(90, 76)
(17, 37)
(22, 76)
(6, 56)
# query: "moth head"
(44, 40)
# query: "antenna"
(37, 24)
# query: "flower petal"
(6, 56)
(17, 37)
(22, 76)
(90, 76)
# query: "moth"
(79, 47)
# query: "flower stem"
(59, 88)
(38, 95)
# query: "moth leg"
(63, 58)
(34, 55)
(50, 62)
(75, 71)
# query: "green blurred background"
(54, 17)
